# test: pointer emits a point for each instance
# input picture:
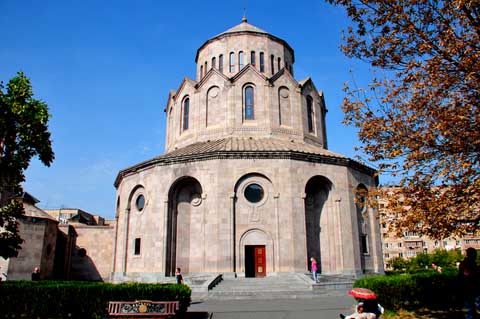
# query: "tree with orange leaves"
(420, 121)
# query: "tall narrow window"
(206, 68)
(279, 66)
(232, 62)
(272, 64)
(201, 71)
(186, 110)
(220, 63)
(249, 103)
(252, 58)
(310, 116)
(262, 62)
(214, 62)
(137, 246)
(240, 60)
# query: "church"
(247, 186)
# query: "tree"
(399, 263)
(447, 258)
(420, 262)
(419, 119)
(23, 135)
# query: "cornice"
(231, 155)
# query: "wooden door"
(260, 265)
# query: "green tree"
(399, 263)
(23, 135)
(446, 258)
(420, 262)
(419, 119)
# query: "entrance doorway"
(255, 261)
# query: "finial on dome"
(244, 18)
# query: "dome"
(246, 29)
(245, 88)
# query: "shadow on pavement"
(194, 315)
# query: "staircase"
(276, 286)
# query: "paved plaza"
(318, 307)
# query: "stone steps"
(280, 286)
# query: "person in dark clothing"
(178, 274)
(373, 306)
(36, 274)
(469, 276)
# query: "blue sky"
(105, 69)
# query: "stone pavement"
(323, 306)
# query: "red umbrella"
(362, 293)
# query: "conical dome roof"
(244, 27)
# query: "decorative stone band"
(248, 148)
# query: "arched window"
(232, 62)
(201, 71)
(186, 111)
(249, 103)
(214, 62)
(252, 58)
(272, 64)
(240, 60)
(279, 60)
(220, 63)
(310, 114)
(206, 68)
(262, 62)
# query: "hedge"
(432, 290)
(73, 299)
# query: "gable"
(186, 85)
(212, 76)
(283, 77)
(246, 71)
(308, 87)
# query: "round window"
(254, 193)
(140, 202)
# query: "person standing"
(36, 274)
(469, 276)
(178, 274)
(314, 269)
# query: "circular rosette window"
(254, 193)
(140, 202)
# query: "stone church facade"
(247, 185)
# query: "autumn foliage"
(420, 119)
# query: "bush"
(71, 299)
(412, 291)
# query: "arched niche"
(254, 208)
(183, 235)
(284, 107)
(361, 195)
(317, 191)
(213, 111)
